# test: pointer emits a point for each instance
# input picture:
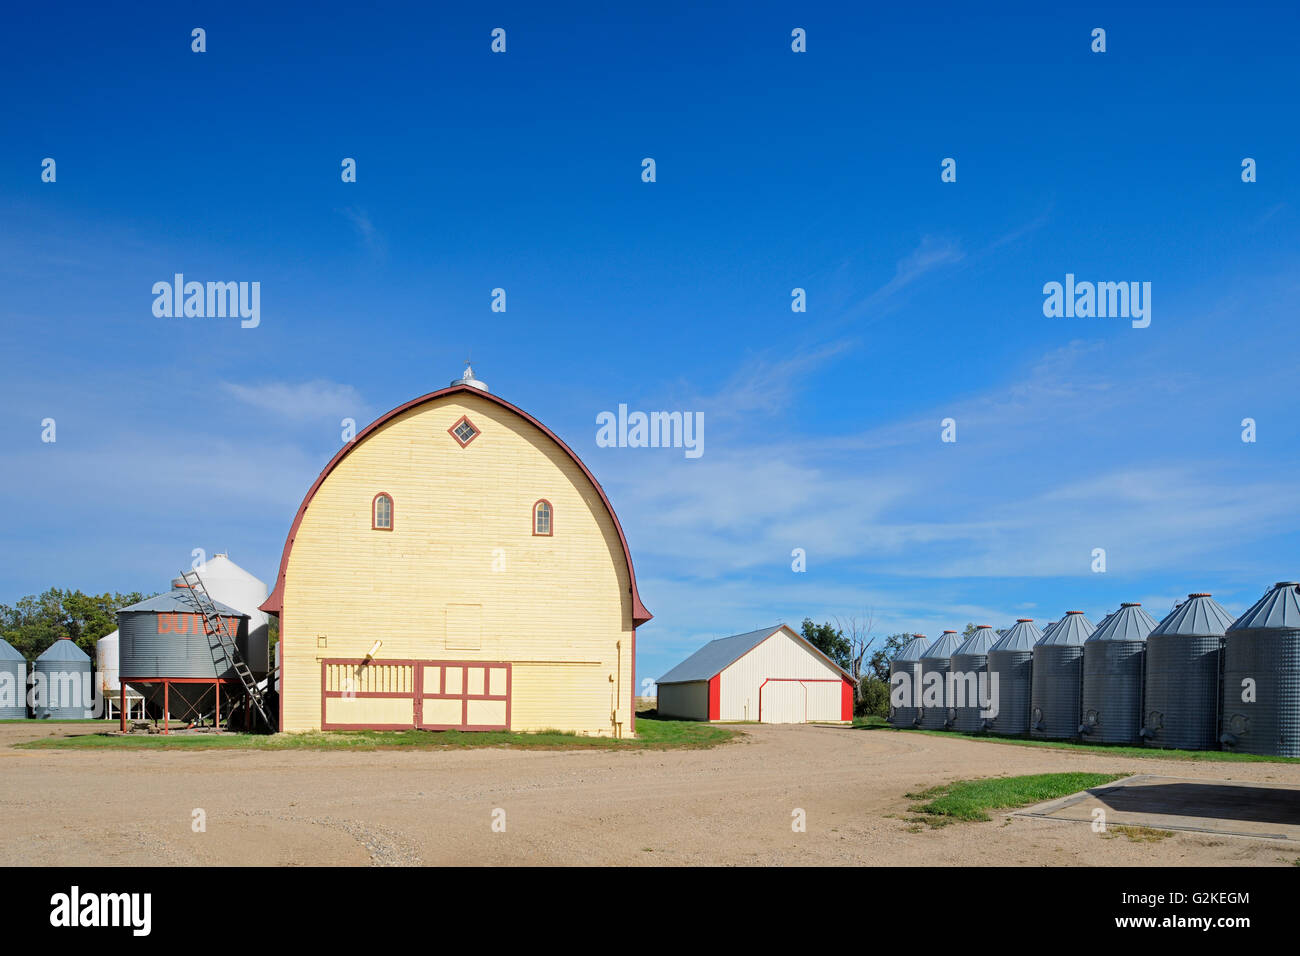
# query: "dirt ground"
(732, 805)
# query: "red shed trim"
(275, 603)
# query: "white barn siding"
(688, 701)
(780, 656)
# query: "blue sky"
(775, 170)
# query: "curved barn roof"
(275, 603)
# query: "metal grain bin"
(164, 637)
(1262, 652)
(1011, 665)
(61, 683)
(1114, 659)
(13, 683)
(1184, 659)
(905, 680)
(1058, 678)
(935, 665)
(969, 676)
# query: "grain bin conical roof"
(1129, 623)
(979, 642)
(1072, 629)
(914, 649)
(8, 652)
(178, 600)
(1022, 637)
(1199, 616)
(64, 650)
(1279, 608)
(944, 647)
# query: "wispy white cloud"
(302, 402)
(365, 228)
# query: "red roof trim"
(275, 603)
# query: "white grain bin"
(231, 585)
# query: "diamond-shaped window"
(463, 431)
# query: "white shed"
(771, 675)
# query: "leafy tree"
(873, 698)
(880, 660)
(828, 639)
(36, 622)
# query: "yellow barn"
(456, 566)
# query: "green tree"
(35, 622)
(873, 698)
(881, 659)
(828, 639)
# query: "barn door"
(464, 695)
(782, 702)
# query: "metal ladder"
(214, 626)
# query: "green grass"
(652, 734)
(972, 799)
(1111, 750)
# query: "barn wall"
(686, 701)
(780, 656)
(557, 607)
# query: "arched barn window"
(381, 513)
(543, 522)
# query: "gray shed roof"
(64, 649)
(1074, 628)
(1280, 607)
(1199, 616)
(8, 652)
(1129, 623)
(1022, 637)
(178, 600)
(914, 649)
(979, 642)
(714, 656)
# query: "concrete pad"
(1262, 811)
